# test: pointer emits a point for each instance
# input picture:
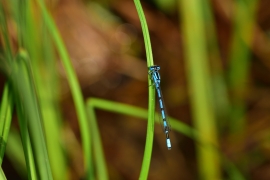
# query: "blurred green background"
(214, 57)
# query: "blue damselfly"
(155, 76)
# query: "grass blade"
(151, 98)
(38, 44)
(5, 119)
(243, 30)
(199, 84)
(74, 85)
(97, 145)
(29, 113)
(177, 125)
(2, 175)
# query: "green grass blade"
(74, 85)
(232, 170)
(5, 119)
(11, 70)
(199, 85)
(129, 110)
(219, 86)
(146, 36)
(177, 125)
(243, 30)
(2, 175)
(97, 145)
(23, 87)
(38, 44)
(25, 137)
(151, 98)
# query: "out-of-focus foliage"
(214, 58)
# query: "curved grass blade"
(151, 98)
(177, 125)
(102, 172)
(34, 37)
(74, 85)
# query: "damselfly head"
(154, 68)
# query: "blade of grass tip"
(199, 85)
(102, 172)
(74, 85)
(11, 71)
(15, 79)
(36, 128)
(5, 119)
(243, 30)
(38, 44)
(151, 98)
(28, 150)
(2, 175)
(176, 125)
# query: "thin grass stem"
(102, 172)
(151, 97)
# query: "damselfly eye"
(157, 68)
(154, 68)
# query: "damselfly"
(153, 71)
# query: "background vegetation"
(74, 88)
